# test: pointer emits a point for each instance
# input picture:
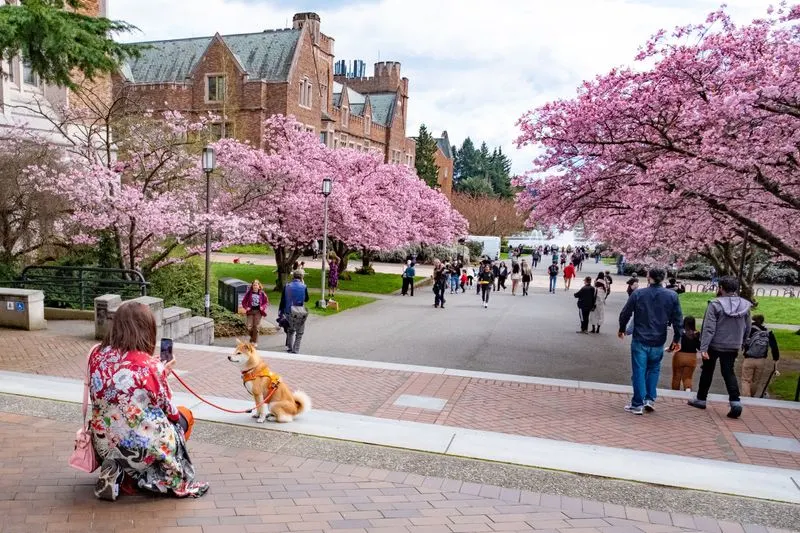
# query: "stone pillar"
(104, 307)
(22, 309)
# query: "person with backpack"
(552, 271)
(726, 326)
(408, 278)
(535, 258)
(586, 296)
(760, 342)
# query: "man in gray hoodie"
(725, 328)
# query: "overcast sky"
(473, 70)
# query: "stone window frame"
(306, 96)
(345, 116)
(367, 124)
(208, 78)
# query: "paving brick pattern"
(562, 413)
(255, 491)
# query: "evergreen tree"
(425, 157)
(465, 161)
(56, 42)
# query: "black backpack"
(757, 344)
(552, 270)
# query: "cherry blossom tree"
(277, 191)
(696, 147)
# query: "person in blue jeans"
(654, 309)
(552, 271)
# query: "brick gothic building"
(247, 78)
(444, 160)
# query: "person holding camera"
(254, 304)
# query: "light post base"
(322, 304)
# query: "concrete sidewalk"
(256, 489)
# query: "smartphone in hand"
(166, 350)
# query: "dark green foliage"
(482, 172)
(425, 161)
(475, 249)
(56, 41)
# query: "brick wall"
(445, 172)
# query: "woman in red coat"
(255, 304)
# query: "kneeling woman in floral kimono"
(139, 435)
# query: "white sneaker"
(649, 406)
(485, 305)
(634, 410)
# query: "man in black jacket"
(586, 297)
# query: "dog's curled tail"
(303, 401)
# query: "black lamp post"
(327, 185)
(209, 163)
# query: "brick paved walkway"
(561, 413)
(255, 491)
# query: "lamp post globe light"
(209, 163)
(327, 185)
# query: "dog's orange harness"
(262, 371)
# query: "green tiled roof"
(266, 55)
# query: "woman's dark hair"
(758, 320)
(601, 276)
(133, 328)
(690, 326)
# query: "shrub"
(8, 272)
(475, 248)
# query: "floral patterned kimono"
(134, 423)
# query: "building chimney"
(309, 19)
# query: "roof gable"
(383, 105)
(444, 145)
(266, 55)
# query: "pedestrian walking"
(315, 249)
(552, 271)
(527, 276)
(759, 343)
(408, 278)
(496, 274)
(440, 276)
(569, 273)
(454, 275)
(464, 279)
(516, 277)
(502, 276)
(586, 296)
(633, 283)
(653, 309)
(254, 305)
(485, 284)
(684, 361)
(294, 311)
(471, 274)
(726, 327)
(598, 314)
(535, 258)
(333, 275)
(563, 259)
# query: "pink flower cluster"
(697, 145)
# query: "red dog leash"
(187, 387)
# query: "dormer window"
(215, 88)
(305, 93)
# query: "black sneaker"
(736, 410)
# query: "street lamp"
(327, 184)
(209, 163)
(494, 225)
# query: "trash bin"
(230, 293)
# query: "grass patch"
(374, 283)
(784, 386)
(608, 260)
(776, 309)
(251, 249)
(788, 342)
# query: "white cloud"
(474, 66)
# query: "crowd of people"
(652, 308)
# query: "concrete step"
(174, 322)
(200, 330)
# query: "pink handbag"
(83, 456)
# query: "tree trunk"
(342, 252)
(366, 259)
(284, 259)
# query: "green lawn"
(788, 342)
(608, 260)
(784, 386)
(375, 283)
(251, 272)
(776, 309)
(250, 249)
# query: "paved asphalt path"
(531, 335)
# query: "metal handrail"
(84, 282)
